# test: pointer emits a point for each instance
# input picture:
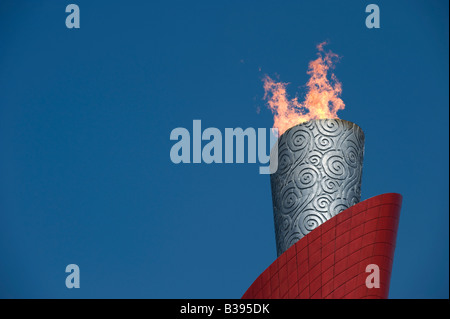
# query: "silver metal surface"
(319, 176)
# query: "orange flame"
(322, 99)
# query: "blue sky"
(85, 119)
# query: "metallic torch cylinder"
(319, 176)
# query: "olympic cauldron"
(318, 176)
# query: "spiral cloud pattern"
(319, 176)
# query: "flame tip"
(322, 98)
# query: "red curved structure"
(330, 262)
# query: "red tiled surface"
(330, 261)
